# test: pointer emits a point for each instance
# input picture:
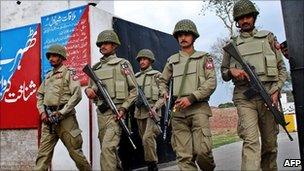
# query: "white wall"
(99, 20)
(28, 12)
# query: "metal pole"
(293, 13)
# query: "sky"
(163, 15)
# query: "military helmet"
(185, 25)
(107, 36)
(244, 7)
(56, 49)
(145, 53)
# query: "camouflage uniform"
(123, 93)
(191, 135)
(67, 130)
(258, 49)
(148, 80)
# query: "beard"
(54, 65)
(246, 27)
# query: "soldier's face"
(107, 48)
(246, 23)
(285, 52)
(185, 40)
(144, 63)
(55, 60)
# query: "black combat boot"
(152, 166)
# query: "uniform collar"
(59, 70)
(185, 54)
(146, 70)
(105, 59)
(195, 54)
(249, 34)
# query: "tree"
(223, 10)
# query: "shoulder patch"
(126, 68)
(72, 72)
(209, 64)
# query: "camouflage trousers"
(148, 131)
(255, 119)
(191, 140)
(69, 133)
(109, 136)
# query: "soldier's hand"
(90, 93)
(182, 103)
(152, 112)
(56, 116)
(239, 74)
(166, 96)
(44, 118)
(121, 113)
(275, 99)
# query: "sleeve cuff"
(125, 106)
(273, 89)
(192, 98)
(123, 109)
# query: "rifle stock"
(168, 110)
(257, 86)
(102, 93)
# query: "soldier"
(259, 49)
(148, 80)
(122, 91)
(284, 49)
(194, 80)
(60, 92)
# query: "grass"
(223, 139)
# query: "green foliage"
(223, 139)
(226, 105)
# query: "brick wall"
(18, 149)
(223, 120)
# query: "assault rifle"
(168, 110)
(256, 87)
(102, 93)
(52, 119)
(144, 100)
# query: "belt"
(54, 108)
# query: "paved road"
(228, 157)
